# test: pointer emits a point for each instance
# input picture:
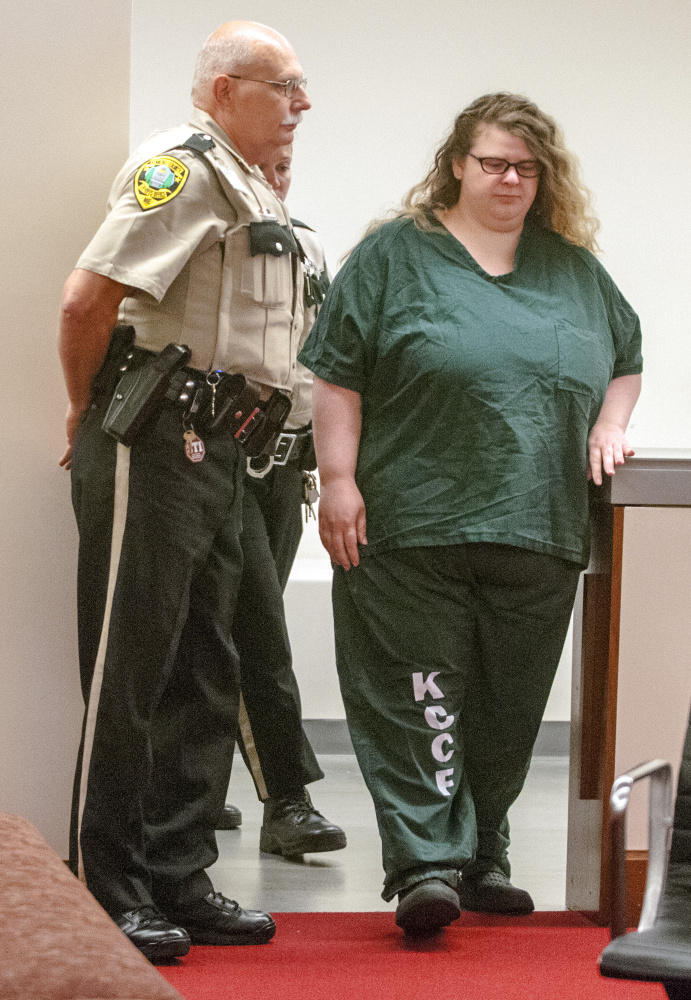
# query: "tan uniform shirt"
(177, 233)
(301, 412)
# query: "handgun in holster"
(140, 391)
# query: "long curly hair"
(562, 202)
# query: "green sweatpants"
(446, 656)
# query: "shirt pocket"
(267, 272)
(586, 360)
(267, 280)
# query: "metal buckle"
(284, 447)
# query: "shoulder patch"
(159, 180)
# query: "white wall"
(64, 80)
(386, 81)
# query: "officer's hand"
(342, 521)
(71, 423)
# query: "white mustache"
(292, 120)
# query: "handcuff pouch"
(259, 432)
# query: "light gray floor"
(351, 879)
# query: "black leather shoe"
(293, 826)
(492, 892)
(427, 906)
(156, 937)
(230, 818)
(217, 920)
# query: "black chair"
(660, 949)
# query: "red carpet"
(363, 956)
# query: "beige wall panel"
(655, 647)
(64, 81)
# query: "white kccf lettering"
(444, 782)
(436, 717)
(438, 748)
(420, 686)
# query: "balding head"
(241, 47)
(237, 81)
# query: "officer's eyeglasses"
(289, 86)
(493, 165)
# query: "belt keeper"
(284, 447)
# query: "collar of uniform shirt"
(205, 123)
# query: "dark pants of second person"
(446, 656)
(271, 736)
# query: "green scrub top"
(478, 392)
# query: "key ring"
(213, 383)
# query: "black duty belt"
(208, 401)
(292, 446)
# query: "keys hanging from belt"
(310, 494)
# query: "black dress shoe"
(156, 937)
(217, 920)
(426, 907)
(492, 892)
(293, 826)
(230, 818)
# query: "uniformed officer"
(271, 737)
(195, 250)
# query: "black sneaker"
(217, 920)
(293, 826)
(427, 906)
(492, 892)
(157, 938)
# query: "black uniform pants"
(159, 569)
(446, 656)
(271, 737)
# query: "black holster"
(140, 392)
(118, 354)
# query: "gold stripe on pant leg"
(122, 478)
(247, 738)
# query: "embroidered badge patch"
(158, 180)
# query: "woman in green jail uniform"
(474, 365)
